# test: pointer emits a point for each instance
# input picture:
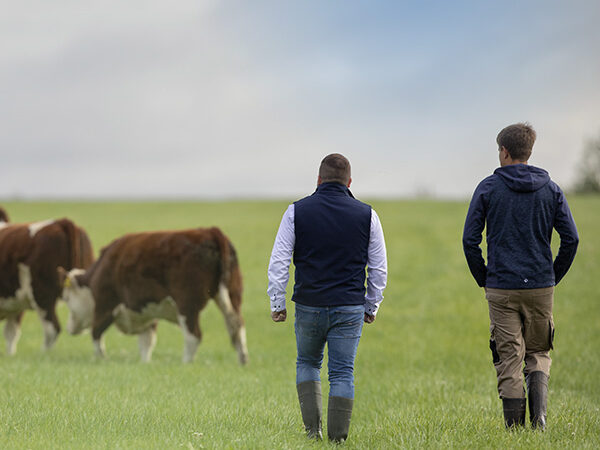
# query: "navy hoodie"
(519, 205)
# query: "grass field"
(424, 375)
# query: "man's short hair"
(335, 168)
(518, 140)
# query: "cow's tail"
(73, 240)
(225, 250)
(86, 252)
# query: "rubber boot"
(537, 391)
(514, 412)
(309, 395)
(339, 413)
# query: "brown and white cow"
(140, 278)
(29, 257)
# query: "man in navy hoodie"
(332, 237)
(519, 205)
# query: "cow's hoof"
(99, 347)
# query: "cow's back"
(41, 247)
(147, 267)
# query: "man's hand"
(279, 316)
(369, 318)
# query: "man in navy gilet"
(519, 205)
(332, 238)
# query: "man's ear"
(319, 180)
(349, 182)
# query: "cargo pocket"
(539, 335)
(495, 355)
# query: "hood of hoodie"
(523, 177)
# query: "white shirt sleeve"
(376, 266)
(281, 258)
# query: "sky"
(237, 99)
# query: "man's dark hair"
(335, 168)
(518, 140)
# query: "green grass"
(424, 376)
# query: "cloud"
(219, 99)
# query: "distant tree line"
(588, 177)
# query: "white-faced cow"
(140, 278)
(29, 257)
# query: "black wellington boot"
(514, 412)
(339, 413)
(309, 395)
(537, 391)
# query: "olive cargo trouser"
(521, 329)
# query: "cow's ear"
(62, 275)
(80, 280)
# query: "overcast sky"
(221, 99)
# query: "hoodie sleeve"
(474, 225)
(569, 239)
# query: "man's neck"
(512, 162)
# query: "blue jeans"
(338, 326)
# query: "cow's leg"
(43, 300)
(102, 320)
(188, 321)
(50, 325)
(12, 333)
(234, 322)
(147, 341)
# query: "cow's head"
(79, 299)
